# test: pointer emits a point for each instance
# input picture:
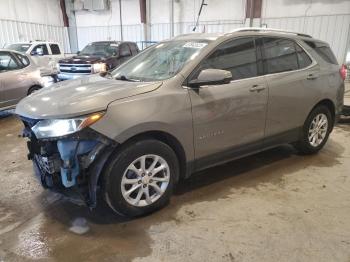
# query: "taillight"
(342, 72)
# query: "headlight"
(100, 67)
(51, 128)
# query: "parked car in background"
(45, 54)
(96, 57)
(181, 106)
(19, 77)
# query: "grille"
(75, 68)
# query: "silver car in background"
(19, 77)
(178, 107)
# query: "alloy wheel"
(145, 180)
(318, 130)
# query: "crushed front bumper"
(70, 165)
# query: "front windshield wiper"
(124, 78)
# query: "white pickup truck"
(45, 54)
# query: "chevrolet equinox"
(180, 106)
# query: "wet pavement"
(273, 206)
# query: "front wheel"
(316, 130)
(140, 178)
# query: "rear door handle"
(257, 88)
(312, 76)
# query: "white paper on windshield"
(195, 45)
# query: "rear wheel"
(316, 130)
(33, 89)
(140, 178)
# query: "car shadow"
(130, 238)
(344, 120)
(268, 166)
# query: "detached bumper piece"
(70, 165)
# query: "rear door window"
(279, 55)
(55, 49)
(237, 56)
(7, 62)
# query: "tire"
(119, 169)
(311, 145)
(33, 89)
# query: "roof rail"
(37, 40)
(261, 29)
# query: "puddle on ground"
(79, 226)
(32, 243)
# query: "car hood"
(79, 97)
(82, 59)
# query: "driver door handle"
(312, 76)
(257, 88)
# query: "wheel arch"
(168, 139)
(32, 87)
(330, 105)
(163, 136)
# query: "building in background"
(93, 20)
(26, 20)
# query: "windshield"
(22, 48)
(160, 62)
(100, 49)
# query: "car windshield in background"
(160, 62)
(100, 49)
(22, 48)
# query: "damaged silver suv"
(178, 107)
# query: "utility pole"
(199, 14)
(251, 13)
(171, 18)
(121, 20)
(144, 9)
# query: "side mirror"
(78, 53)
(211, 77)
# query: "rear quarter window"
(323, 51)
